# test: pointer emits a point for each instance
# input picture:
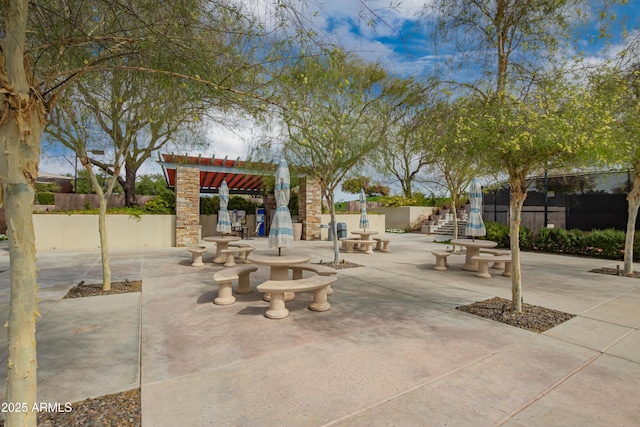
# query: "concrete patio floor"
(392, 351)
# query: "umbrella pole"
(279, 251)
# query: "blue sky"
(399, 40)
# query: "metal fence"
(582, 211)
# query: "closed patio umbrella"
(475, 225)
(281, 231)
(364, 218)
(224, 223)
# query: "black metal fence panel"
(597, 211)
(582, 211)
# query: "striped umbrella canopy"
(224, 222)
(281, 231)
(364, 218)
(475, 225)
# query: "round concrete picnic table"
(473, 249)
(279, 265)
(364, 235)
(222, 242)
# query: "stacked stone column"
(310, 208)
(187, 206)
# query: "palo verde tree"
(76, 130)
(549, 128)
(619, 85)
(124, 109)
(336, 110)
(454, 150)
(48, 46)
(509, 44)
(404, 152)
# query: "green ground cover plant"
(607, 244)
(417, 199)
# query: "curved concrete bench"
(498, 265)
(382, 244)
(483, 265)
(197, 252)
(231, 253)
(441, 260)
(367, 245)
(238, 245)
(277, 288)
(344, 244)
(319, 269)
(224, 279)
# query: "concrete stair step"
(447, 228)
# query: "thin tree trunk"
(454, 203)
(332, 214)
(518, 196)
(22, 120)
(456, 231)
(633, 198)
(104, 250)
(102, 223)
(21, 160)
(129, 186)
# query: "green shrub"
(418, 199)
(552, 240)
(293, 204)
(164, 204)
(607, 243)
(136, 211)
(498, 233)
(47, 187)
(526, 238)
(46, 198)
(242, 204)
(209, 205)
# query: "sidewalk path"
(391, 351)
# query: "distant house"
(65, 182)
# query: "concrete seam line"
(563, 379)
(609, 300)
(417, 386)
(140, 331)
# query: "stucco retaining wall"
(405, 216)
(72, 232)
(352, 221)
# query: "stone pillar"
(310, 208)
(187, 206)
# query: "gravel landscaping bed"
(120, 409)
(532, 318)
(341, 265)
(615, 272)
(95, 289)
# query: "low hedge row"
(608, 243)
(46, 198)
